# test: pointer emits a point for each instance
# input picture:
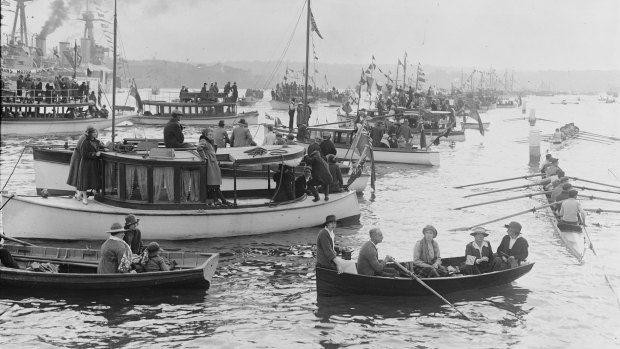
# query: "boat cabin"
(193, 103)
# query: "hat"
(290, 136)
(176, 112)
(479, 230)
(554, 160)
(153, 247)
(516, 227)
(431, 228)
(90, 129)
(330, 219)
(116, 228)
(221, 123)
(307, 168)
(278, 134)
(131, 219)
(242, 121)
(331, 158)
(327, 135)
(566, 186)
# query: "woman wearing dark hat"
(206, 149)
(88, 169)
(512, 250)
(133, 235)
(326, 252)
(426, 256)
(115, 253)
(478, 254)
(155, 262)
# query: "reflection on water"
(263, 293)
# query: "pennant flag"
(474, 115)
(367, 71)
(362, 79)
(399, 62)
(314, 27)
(316, 58)
(133, 91)
(373, 57)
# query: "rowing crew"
(564, 132)
(479, 257)
(568, 209)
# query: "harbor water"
(263, 294)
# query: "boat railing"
(63, 96)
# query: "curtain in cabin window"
(190, 185)
(131, 172)
(111, 179)
(163, 179)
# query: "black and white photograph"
(310, 174)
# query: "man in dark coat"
(512, 250)
(173, 132)
(241, 136)
(314, 145)
(377, 134)
(327, 146)
(368, 262)
(133, 235)
(320, 172)
(302, 187)
(285, 187)
(326, 252)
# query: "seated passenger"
(336, 185)
(512, 250)
(155, 262)
(285, 184)
(368, 262)
(115, 253)
(302, 187)
(426, 256)
(478, 254)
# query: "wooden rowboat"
(77, 270)
(330, 283)
(572, 235)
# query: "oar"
(583, 227)
(413, 276)
(498, 190)
(502, 218)
(599, 210)
(597, 198)
(15, 240)
(331, 123)
(595, 189)
(593, 182)
(499, 180)
(506, 199)
(593, 140)
(599, 135)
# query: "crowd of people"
(479, 257)
(209, 94)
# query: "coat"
(74, 165)
(89, 174)
(327, 147)
(314, 146)
(519, 250)
(241, 137)
(173, 134)
(220, 136)
(207, 152)
(301, 186)
(368, 260)
(133, 238)
(473, 253)
(112, 252)
(336, 183)
(320, 170)
(285, 186)
(325, 252)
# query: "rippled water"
(263, 294)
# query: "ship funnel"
(40, 44)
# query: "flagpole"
(305, 107)
(370, 87)
(74, 59)
(417, 77)
(405, 72)
(397, 67)
(114, 78)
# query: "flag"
(316, 58)
(133, 91)
(369, 82)
(373, 57)
(314, 27)
(362, 78)
(399, 62)
(421, 79)
(474, 115)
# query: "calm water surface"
(264, 294)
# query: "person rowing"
(571, 211)
(368, 262)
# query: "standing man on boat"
(291, 114)
(220, 135)
(173, 132)
(241, 136)
(368, 262)
(326, 252)
(115, 253)
(235, 93)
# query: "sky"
(500, 34)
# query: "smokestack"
(40, 44)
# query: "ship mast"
(307, 61)
(20, 11)
(114, 78)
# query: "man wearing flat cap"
(326, 252)
(115, 253)
(173, 132)
(512, 250)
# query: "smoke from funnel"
(60, 12)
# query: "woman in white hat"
(478, 254)
(115, 253)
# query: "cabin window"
(111, 179)
(190, 185)
(136, 182)
(163, 183)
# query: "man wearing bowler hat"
(173, 132)
(115, 253)
(326, 252)
(512, 250)
(241, 136)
